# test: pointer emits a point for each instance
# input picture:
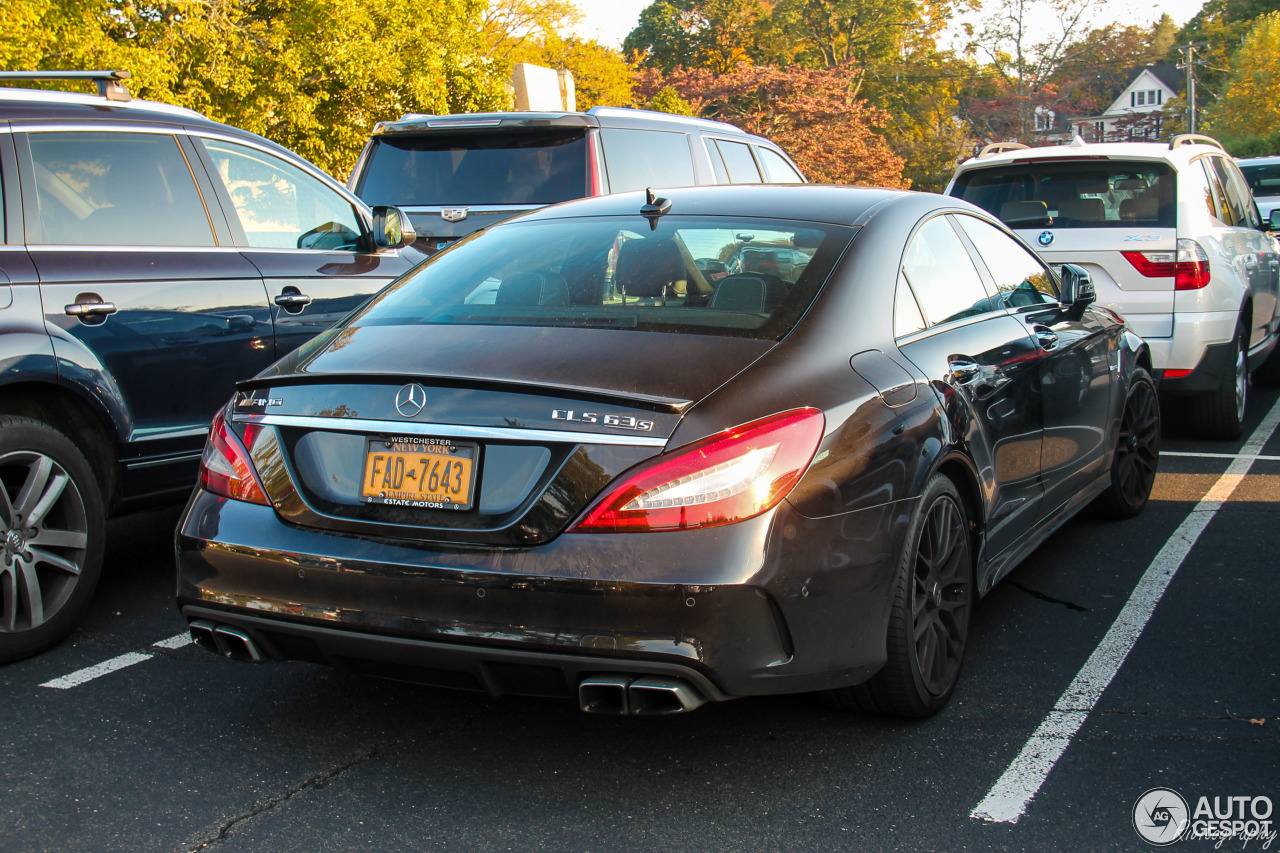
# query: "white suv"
(1173, 241)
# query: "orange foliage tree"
(813, 114)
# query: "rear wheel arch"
(962, 475)
(69, 414)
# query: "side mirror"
(391, 227)
(1273, 220)
(1077, 288)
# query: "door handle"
(90, 309)
(1046, 338)
(963, 370)
(293, 300)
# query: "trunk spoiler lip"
(651, 402)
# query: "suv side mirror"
(1077, 292)
(391, 227)
(1273, 219)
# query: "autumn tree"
(1250, 102)
(1222, 24)
(711, 34)
(811, 113)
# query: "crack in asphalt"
(219, 833)
(1035, 593)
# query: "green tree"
(1250, 103)
(1222, 24)
(712, 34)
(668, 100)
(314, 75)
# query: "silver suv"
(1173, 241)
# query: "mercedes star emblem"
(410, 400)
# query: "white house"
(1137, 112)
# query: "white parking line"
(1186, 454)
(89, 673)
(1009, 797)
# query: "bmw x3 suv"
(1173, 241)
(150, 258)
(459, 173)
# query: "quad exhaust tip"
(226, 641)
(648, 695)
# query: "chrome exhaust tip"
(654, 695)
(604, 694)
(236, 644)
(202, 635)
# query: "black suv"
(459, 173)
(150, 258)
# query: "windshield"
(1264, 179)
(1074, 194)
(688, 275)
(529, 167)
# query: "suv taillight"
(595, 184)
(225, 467)
(731, 476)
(1188, 267)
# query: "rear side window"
(1075, 194)
(122, 189)
(1020, 277)
(637, 159)
(739, 162)
(528, 167)
(1236, 193)
(942, 275)
(695, 275)
(776, 168)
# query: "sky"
(609, 21)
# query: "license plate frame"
(419, 458)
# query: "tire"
(1220, 414)
(52, 529)
(1133, 470)
(933, 595)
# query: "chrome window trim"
(362, 425)
(90, 247)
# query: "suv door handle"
(293, 300)
(90, 309)
(1046, 338)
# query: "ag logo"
(454, 214)
(1045, 238)
(1160, 816)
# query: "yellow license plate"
(425, 473)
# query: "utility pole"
(1189, 63)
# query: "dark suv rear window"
(539, 167)
(694, 275)
(1264, 179)
(1074, 193)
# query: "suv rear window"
(540, 167)
(1264, 179)
(688, 275)
(1074, 194)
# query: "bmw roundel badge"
(1045, 238)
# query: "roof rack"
(1194, 139)
(110, 83)
(1000, 148)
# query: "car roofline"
(46, 96)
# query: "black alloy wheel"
(51, 536)
(929, 620)
(1133, 470)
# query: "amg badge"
(617, 421)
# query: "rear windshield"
(540, 167)
(1264, 180)
(695, 275)
(1074, 194)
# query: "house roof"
(1166, 72)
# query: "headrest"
(533, 288)
(748, 293)
(645, 267)
(1021, 211)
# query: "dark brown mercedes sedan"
(563, 459)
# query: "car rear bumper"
(744, 609)
(1194, 334)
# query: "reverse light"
(728, 477)
(1188, 266)
(225, 468)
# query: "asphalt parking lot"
(1120, 658)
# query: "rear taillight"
(731, 476)
(225, 468)
(1188, 267)
(595, 186)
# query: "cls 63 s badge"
(617, 421)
